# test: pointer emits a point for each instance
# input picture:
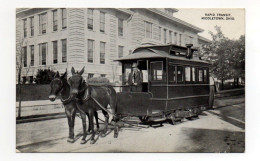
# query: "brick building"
(59, 38)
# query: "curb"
(40, 118)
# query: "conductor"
(135, 79)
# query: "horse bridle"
(60, 89)
(64, 101)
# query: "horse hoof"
(83, 142)
(70, 140)
(92, 141)
(115, 135)
(103, 135)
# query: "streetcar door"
(142, 65)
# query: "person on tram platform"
(135, 79)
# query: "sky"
(232, 29)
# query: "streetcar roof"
(159, 51)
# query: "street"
(218, 130)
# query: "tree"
(237, 60)
(226, 56)
(19, 66)
(215, 53)
(44, 76)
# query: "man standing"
(135, 79)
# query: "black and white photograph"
(130, 80)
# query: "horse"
(60, 85)
(105, 95)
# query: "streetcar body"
(175, 83)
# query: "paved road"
(218, 130)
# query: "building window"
(102, 22)
(90, 51)
(90, 19)
(32, 25)
(25, 28)
(32, 55)
(55, 52)
(55, 20)
(157, 71)
(120, 51)
(164, 36)
(180, 39)
(179, 74)
(90, 75)
(24, 80)
(102, 52)
(159, 33)
(175, 38)
(103, 75)
(64, 18)
(24, 51)
(42, 23)
(120, 27)
(64, 50)
(187, 74)
(148, 30)
(170, 36)
(191, 40)
(43, 53)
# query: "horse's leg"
(69, 113)
(89, 128)
(96, 117)
(83, 117)
(91, 121)
(113, 109)
(106, 123)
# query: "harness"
(101, 106)
(66, 100)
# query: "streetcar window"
(200, 75)
(179, 74)
(205, 77)
(172, 52)
(172, 73)
(193, 70)
(157, 71)
(187, 74)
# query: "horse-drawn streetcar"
(174, 85)
(159, 83)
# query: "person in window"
(135, 79)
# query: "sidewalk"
(38, 103)
(42, 107)
(230, 92)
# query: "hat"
(134, 65)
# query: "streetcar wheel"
(143, 119)
(172, 119)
